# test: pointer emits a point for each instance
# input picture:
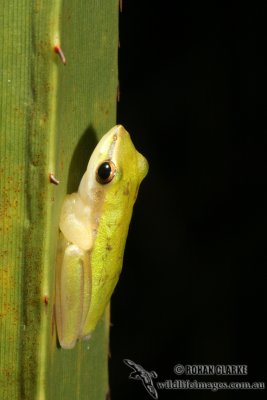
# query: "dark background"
(193, 81)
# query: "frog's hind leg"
(73, 292)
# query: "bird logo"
(139, 373)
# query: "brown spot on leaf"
(108, 397)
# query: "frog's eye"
(105, 172)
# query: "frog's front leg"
(73, 291)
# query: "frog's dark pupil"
(104, 171)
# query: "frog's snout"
(143, 166)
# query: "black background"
(193, 81)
